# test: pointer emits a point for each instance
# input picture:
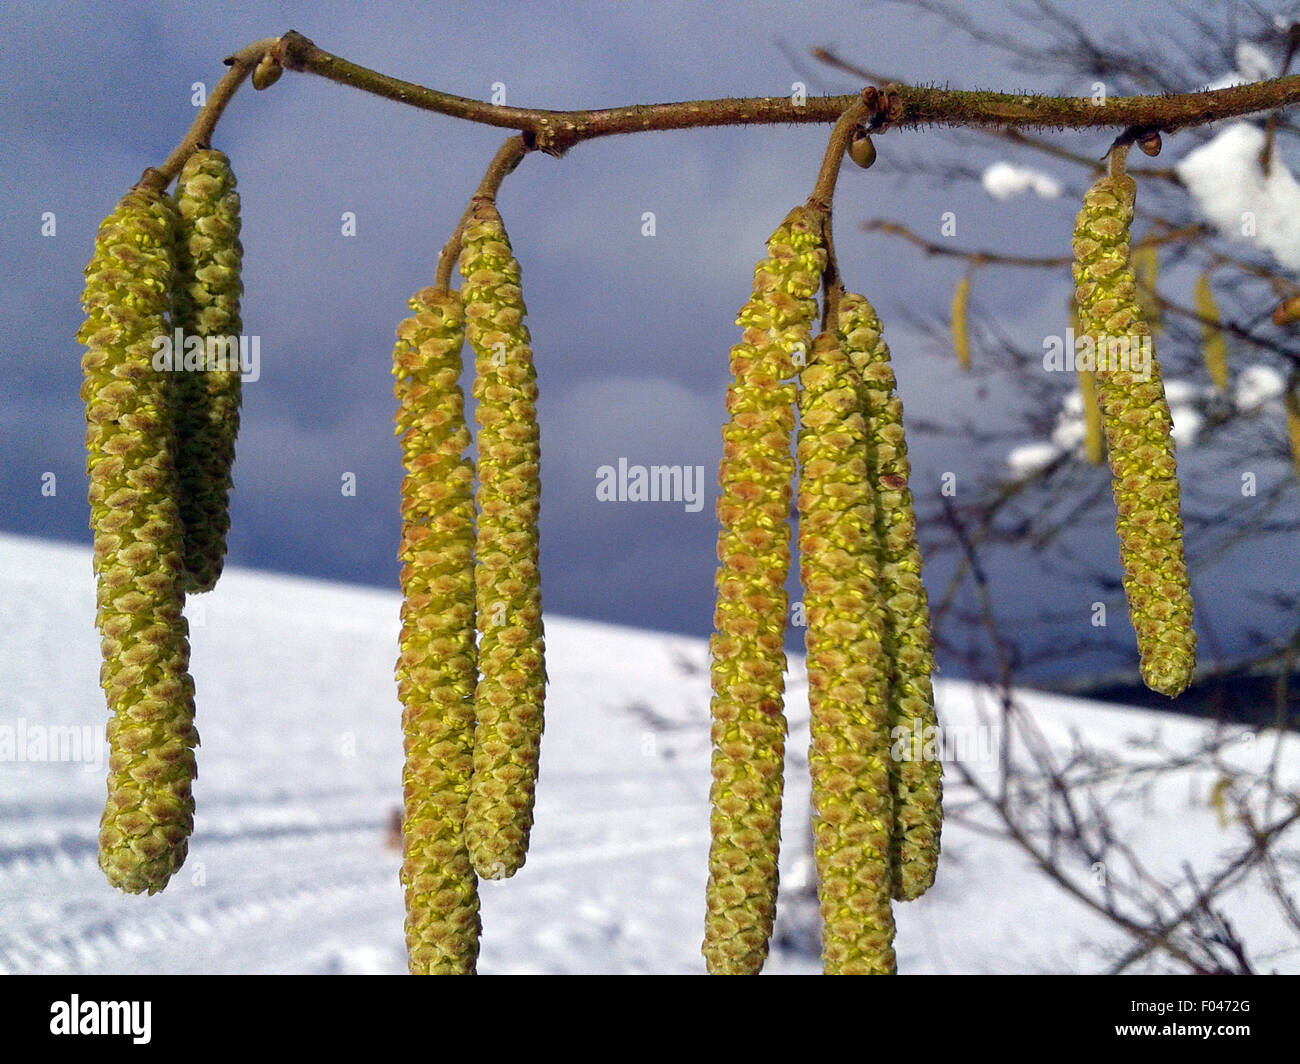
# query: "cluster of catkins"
(472, 708)
(876, 818)
(471, 672)
(160, 444)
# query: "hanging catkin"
(1136, 418)
(848, 672)
(1146, 271)
(512, 684)
(960, 341)
(436, 669)
(918, 779)
(206, 400)
(748, 656)
(145, 829)
(1094, 440)
(1293, 423)
(1214, 348)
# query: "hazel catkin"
(512, 682)
(1146, 274)
(134, 515)
(1094, 440)
(747, 648)
(1137, 422)
(207, 393)
(960, 339)
(909, 646)
(437, 666)
(1214, 347)
(1293, 423)
(848, 670)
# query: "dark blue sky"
(630, 333)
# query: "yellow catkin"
(1136, 418)
(848, 671)
(748, 655)
(512, 683)
(436, 668)
(1094, 440)
(1293, 424)
(960, 341)
(917, 778)
(1214, 347)
(134, 514)
(209, 258)
(1146, 270)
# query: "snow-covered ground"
(290, 869)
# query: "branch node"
(551, 141)
(292, 50)
(884, 106)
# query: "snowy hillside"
(299, 775)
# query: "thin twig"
(205, 122)
(504, 162)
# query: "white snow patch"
(1232, 192)
(1187, 424)
(1253, 63)
(1178, 390)
(1031, 457)
(1002, 180)
(290, 870)
(1258, 384)
(1068, 434)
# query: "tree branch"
(557, 131)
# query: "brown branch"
(1158, 938)
(871, 106)
(994, 258)
(978, 257)
(556, 131)
(1252, 854)
(1013, 136)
